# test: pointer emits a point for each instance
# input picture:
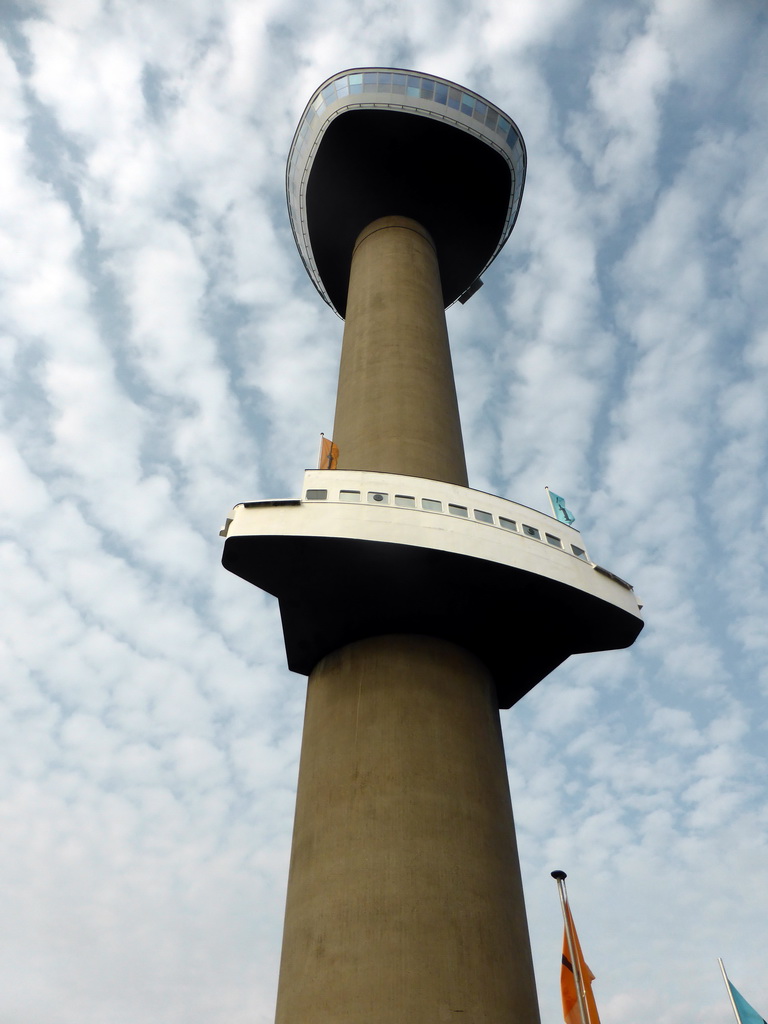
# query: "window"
(316, 494)
(399, 83)
(405, 501)
(483, 517)
(458, 510)
(531, 531)
(579, 552)
(430, 505)
(349, 495)
(554, 541)
(507, 524)
(378, 497)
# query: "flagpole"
(728, 990)
(560, 877)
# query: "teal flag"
(747, 1015)
(558, 507)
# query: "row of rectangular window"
(462, 511)
(393, 83)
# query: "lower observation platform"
(365, 554)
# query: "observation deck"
(366, 554)
(377, 142)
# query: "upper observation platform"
(378, 142)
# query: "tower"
(417, 606)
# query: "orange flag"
(329, 453)
(571, 1013)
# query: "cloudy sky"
(163, 355)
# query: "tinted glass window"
(316, 494)
(458, 510)
(554, 541)
(405, 501)
(349, 495)
(508, 524)
(430, 505)
(483, 517)
(579, 552)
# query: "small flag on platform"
(558, 507)
(745, 1014)
(329, 453)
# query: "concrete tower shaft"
(405, 901)
(396, 407)
(404, 898)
